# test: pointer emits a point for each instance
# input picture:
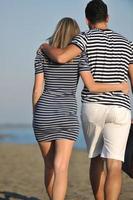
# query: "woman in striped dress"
(55, 120)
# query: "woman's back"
(58, 77)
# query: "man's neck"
(100, 25)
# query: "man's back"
(108, 55)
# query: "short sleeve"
(80, 40)
(131, 59)
(84, 63)
(39, 62)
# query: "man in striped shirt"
(106, 117)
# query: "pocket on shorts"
(119, 115)
(94, 113)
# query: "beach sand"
(21, 175)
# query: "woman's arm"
(102, 87)
(37, 88)
(39, 77)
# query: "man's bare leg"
(113, 179)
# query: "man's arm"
(61, 55)
(130, 72)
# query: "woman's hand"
(125, 87)
(38, 88)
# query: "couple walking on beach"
(103, 59)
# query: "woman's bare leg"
(97, 177)
(48, 152)
(61, 162)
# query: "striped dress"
(55, 113)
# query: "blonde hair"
(65, 30)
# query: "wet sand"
(21, 175)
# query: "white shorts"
(106, 129)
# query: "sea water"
(24, 135)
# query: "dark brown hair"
(96, 11)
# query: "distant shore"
(12, 126)
(21, 175)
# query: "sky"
(25, 24)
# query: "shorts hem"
(94, 155)
(113, 157)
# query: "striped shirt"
(108, 55)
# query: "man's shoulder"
(106, 34)
(121, 37)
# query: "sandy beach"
(21, 175)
